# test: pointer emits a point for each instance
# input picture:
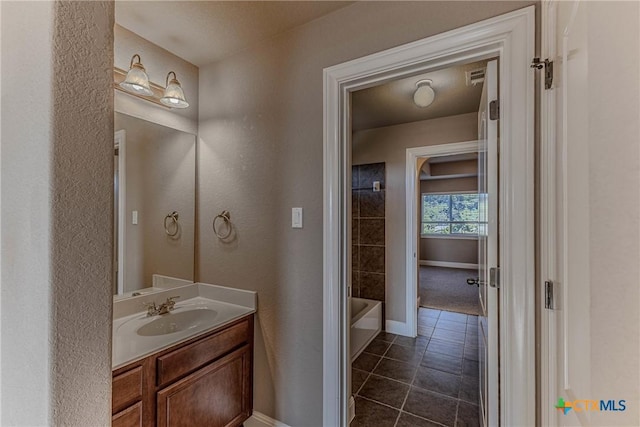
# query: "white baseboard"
(398, 328)
(465, 265)
(258, 419)
(352, 409)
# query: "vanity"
(192, 366)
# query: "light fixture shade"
(424, 95)
(173, 94)
(137, 80)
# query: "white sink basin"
(137, 335)
(178, 322)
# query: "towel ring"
(226, 217)
(173, 221)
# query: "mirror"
(154, 204)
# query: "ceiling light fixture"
(137, 81)
(173, 94)
(424, 94)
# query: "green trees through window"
(453, 214)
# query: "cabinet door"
(218, 395)
(130, 417)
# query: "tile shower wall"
(368, 232)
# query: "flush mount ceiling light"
(173, 94)
(424, 94)
(137, 81)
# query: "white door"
(488, 250)
(564, 339)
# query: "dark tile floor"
(431, 380)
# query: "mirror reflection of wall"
(158, 178)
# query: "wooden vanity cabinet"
(205, 381)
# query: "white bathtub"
(366, 323)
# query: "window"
(453, 214)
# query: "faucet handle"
(152, 309)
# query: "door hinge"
(548, 294)
(494, 277)
(494, 110)
(548, 70)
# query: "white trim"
(120, 139)
(1, 228)
(352, 408)
(334, 336)
(548, 226)
(451, 192)
(511, 37)
(448, 264)
(411, 223)
(448, 236)
(264, 420)
(399, 328)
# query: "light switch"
(296, 217)
(376, 185)
(134, 217)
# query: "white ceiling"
(203, 32)
(392, 103)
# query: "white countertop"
(225, 304)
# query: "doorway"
(448, 208)
(509, 37)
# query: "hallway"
(431, 380)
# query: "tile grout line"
(372, 369)
(413, 378)
(416, 368)
(423, 418)
(411, 384)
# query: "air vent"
(475, 76)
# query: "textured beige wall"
(26, 226)
(389, 145)
(449, 250)
(57, 142)
(157, 62)
(446, 185)
(260, 154)
(614, 204)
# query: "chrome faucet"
(164, 308)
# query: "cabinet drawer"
(174, 365)
(130, 417)
(127, 389)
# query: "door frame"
(120, 140)
(411, 225)
(549, 208)
(511, 37)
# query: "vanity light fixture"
(173, 94)
(137, 81)
(424, 94)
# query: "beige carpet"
(446, 289)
